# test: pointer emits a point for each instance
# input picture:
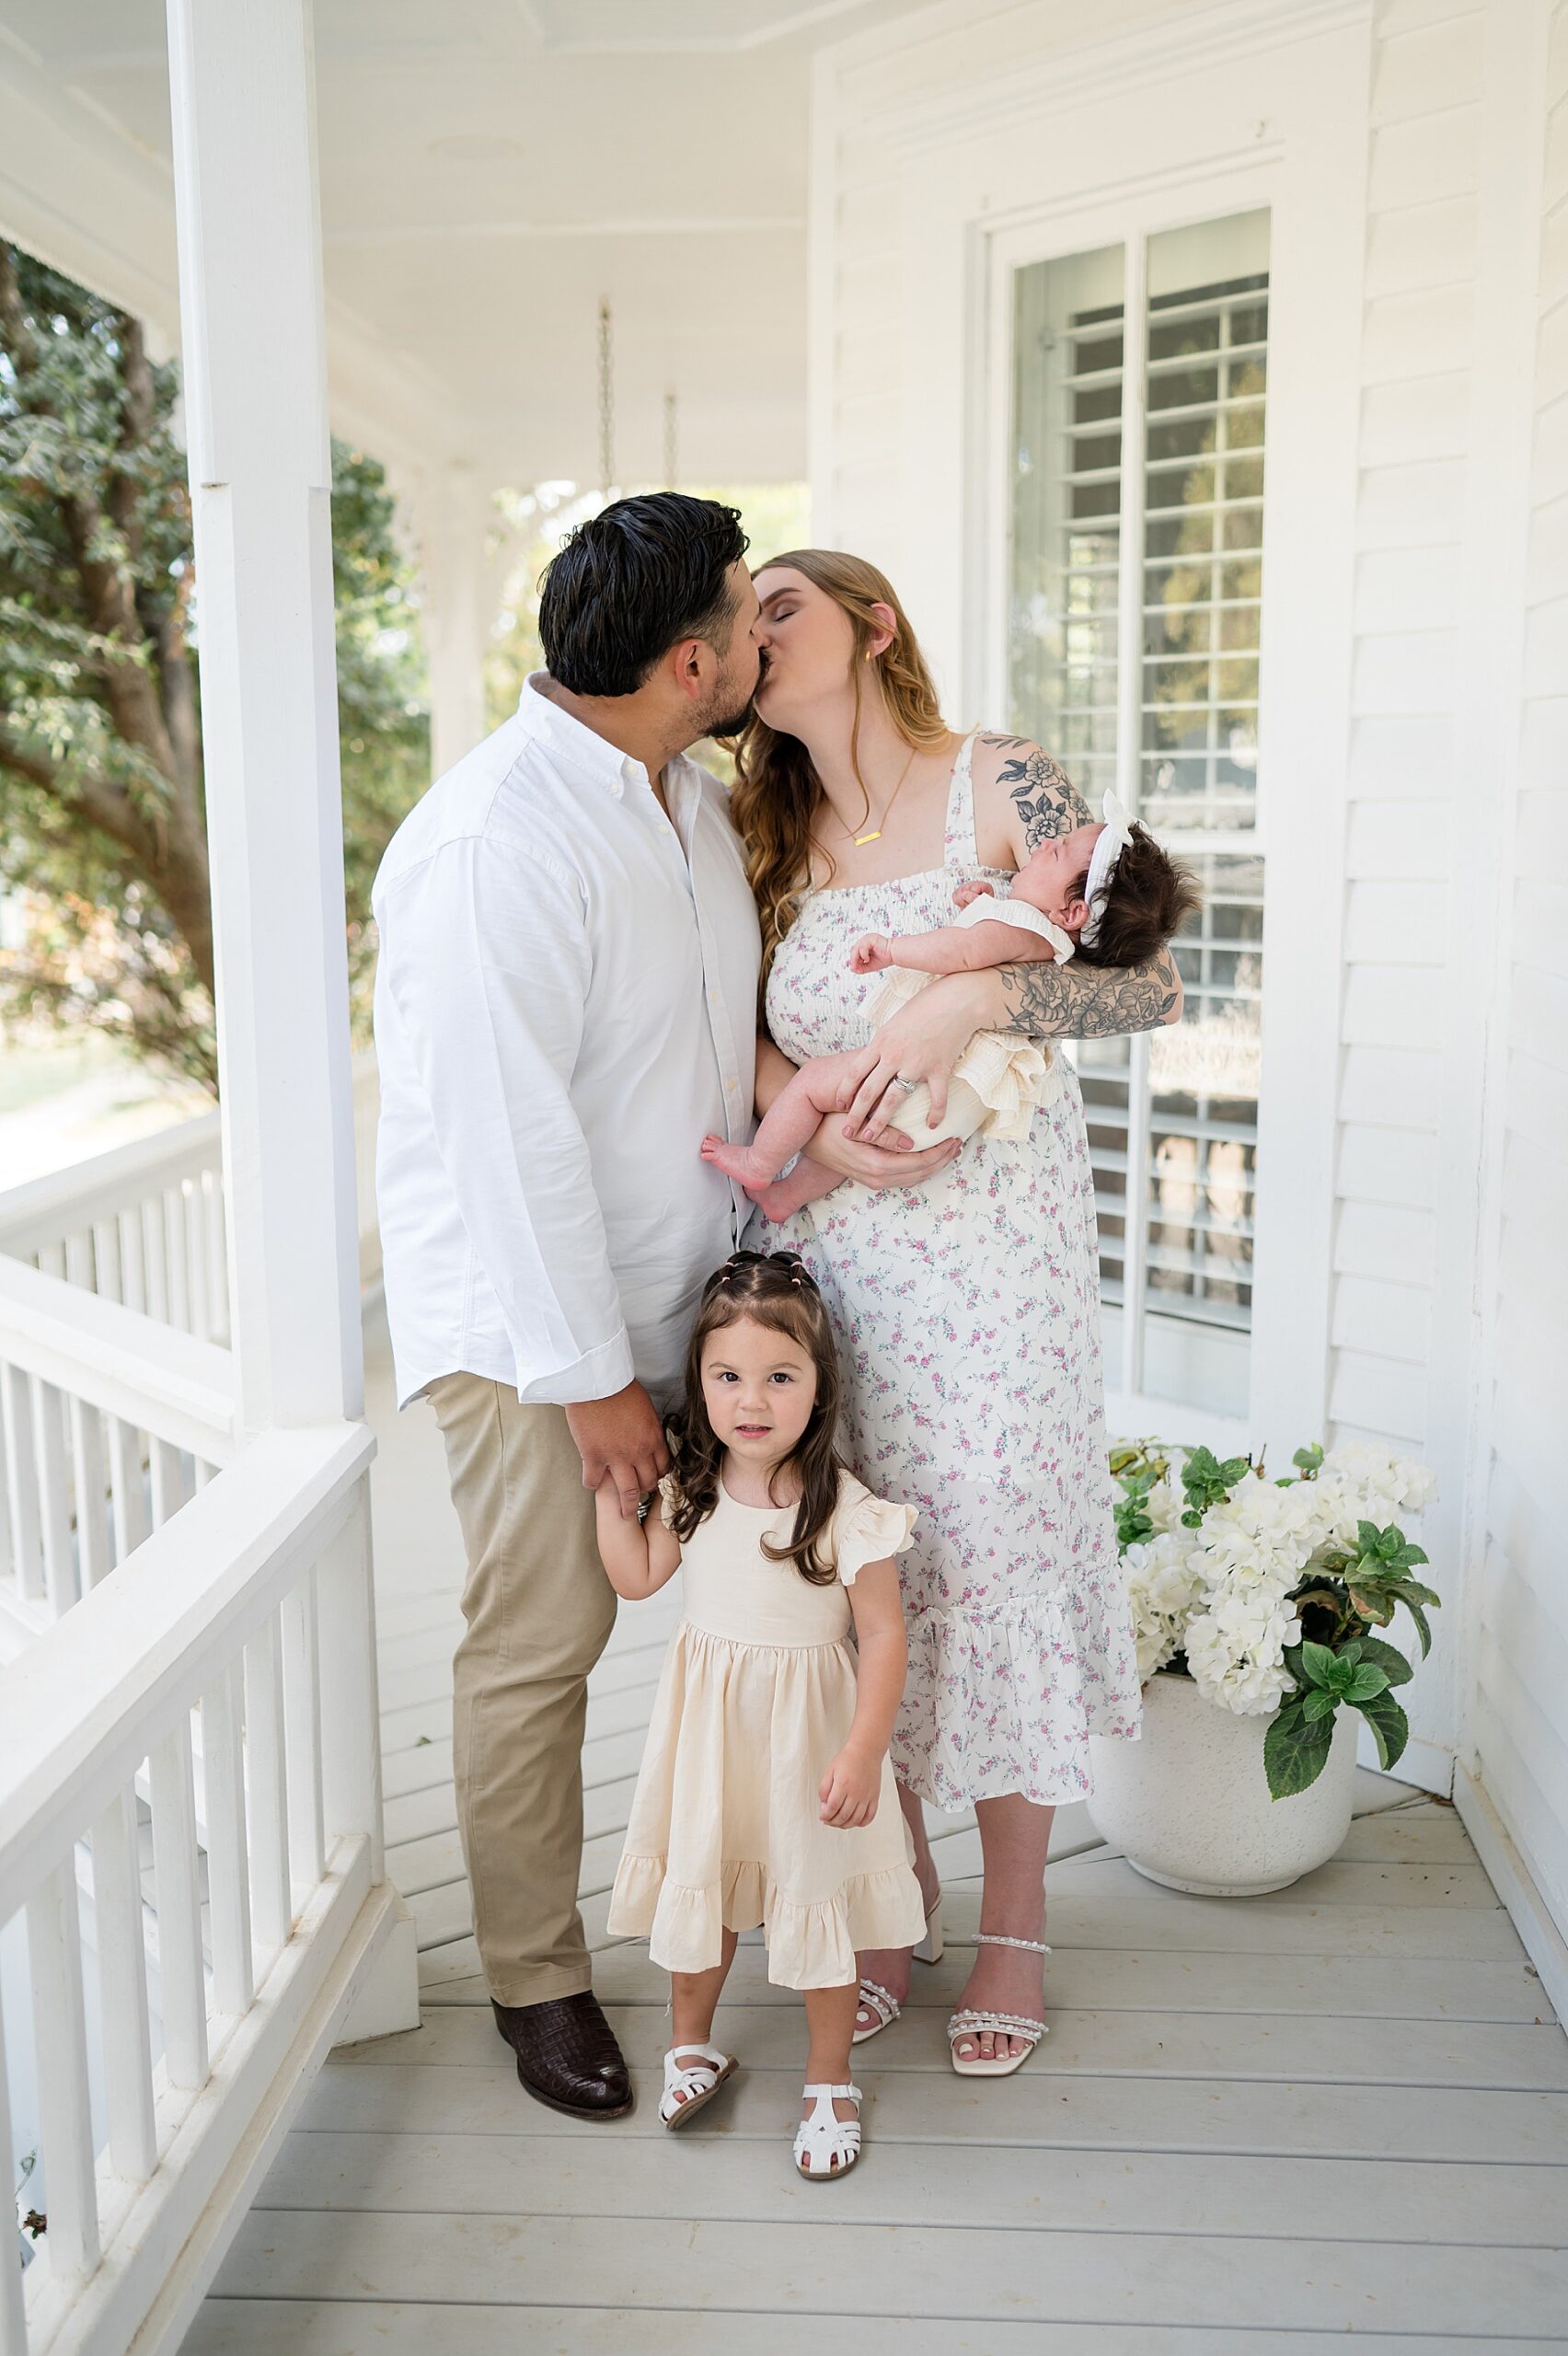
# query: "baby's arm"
(951, 949)
(849, 1790)
(638, 1557)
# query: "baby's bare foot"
(741, 1162)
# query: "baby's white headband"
(1114, 840)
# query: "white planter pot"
(1189, 1805)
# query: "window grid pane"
(1176, 1235)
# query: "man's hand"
(621, 1437)
(871, 953)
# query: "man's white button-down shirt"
(565, 1005)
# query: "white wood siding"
(1433, 1213)
(1515, 1735)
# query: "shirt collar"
(585, 752)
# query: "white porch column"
(260, 480)
(453, 512)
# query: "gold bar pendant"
(860, 840)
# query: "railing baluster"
(155, 1265)
(302, 1751)
(13, 2313)
(168, 1482)
(128, 1491)
(184, 1995)
(133, 1257)
(271, 1915)
(228, 1888)
(350, 1749)
(60, 2035)
(92, 1493)
(21, 1483)
(196, 1255)
(178, 1260)
(217, 1257)
(123, 1993)
(54, 1498)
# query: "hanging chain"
(671, 445)
(606, 398)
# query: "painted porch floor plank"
(1332, 1885)
(1409, 1836)
(1064, 2191)
(421, 1767)
(1034, 2108)
(304, 2328)
(1144, 2278)
(1104, 2043)
(1114, 1980)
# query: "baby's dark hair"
(778, 1290)
(1149, 899)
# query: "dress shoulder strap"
(959, 848)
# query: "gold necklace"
(875, 835)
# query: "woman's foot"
(1003, 1980)
(889, 1968)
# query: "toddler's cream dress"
(756, 1701)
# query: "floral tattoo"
(1048, 804)
(1098, 1003)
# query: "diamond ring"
(908, 1086)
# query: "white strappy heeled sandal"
(1009, 2024)
(687, 2087)
(875, 1998)
(825, 2143)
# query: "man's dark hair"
(1150, 899)
(633, 581)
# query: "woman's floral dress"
(967, 1313)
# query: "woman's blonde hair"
(777, 791)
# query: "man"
(566, 1004)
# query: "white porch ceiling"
(490, 169)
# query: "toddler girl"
(1107, 892)
(766, 1795)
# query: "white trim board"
(1511, 1874)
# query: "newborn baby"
(1106, 892)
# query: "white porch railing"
(247, 1616)
(115, 1411)
(146, 1224)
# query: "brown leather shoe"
(567, 2055)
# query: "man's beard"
(724, 720)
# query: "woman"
(966, 1305)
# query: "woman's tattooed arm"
(1047, 802)
(1088, 1001)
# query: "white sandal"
(1009, 2024)
(688, 2088)
(824, 2138)
(875, 1998)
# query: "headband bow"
(1116, 835)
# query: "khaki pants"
(540, 1610)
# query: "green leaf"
(1295, 1750)
(1310, 1459)
(1320, 1703)
(1369, 1533)
(1373, 1603)
(1366, 1682)
(1386, 1658)
(1388, 1724)
(1318, 1664)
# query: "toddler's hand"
(871, 953)
(967, 892)
(849, 1790)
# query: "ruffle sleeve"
(992, 907)
(867, 1529)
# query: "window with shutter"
(1139, 384)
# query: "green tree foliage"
(102, 808)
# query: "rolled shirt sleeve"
(490, 984)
